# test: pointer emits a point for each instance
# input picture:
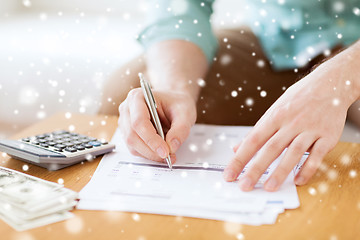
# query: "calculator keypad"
(64, 141)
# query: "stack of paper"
(194, 188)
(28, 202)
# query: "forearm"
(176, 65)
(342, 72)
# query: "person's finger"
(312, 163)
(178, 132)
(269, 152)
(249, 146)
(292, 156)
(141, 124)
(133, 142)
(236, 147)
(123, 111)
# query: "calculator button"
(95, 143)
(44, 145)
(60, 146)
(28, 148)
(35, 142)
(26, 139)
(104, 143)
(42, 140)
(84, 140)
(41, 136)
(77, 142)
(79, 147)
(70, 149)
(69, 144)
(60, 132)
(87, 145)
(59, 141)
(67, 139)
(51, 143)
(92, 138)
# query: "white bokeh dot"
(25, 167)
(352, 173)
(67, 115)
(201, 82)
(41, 114)
(336, 102)
(338, 6)
(184, 174)
(74, 225)
(225, 59)
(193, 148)
(356, 11)
(27, 3)
(232, 228)
(240, 236)
(312, 191)
(205, 165)
(323, 187)
(249, 102)
(345, 159)
(60, 181)
(332, 174)
(62, 93)
(260, 63)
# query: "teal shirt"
(291, 31)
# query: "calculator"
(56, 150)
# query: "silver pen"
(150, 101)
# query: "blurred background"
(56, 55)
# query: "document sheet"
(194, 188)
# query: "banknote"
(21, 188)
(37, 222)
(18, 215)
(28, 202)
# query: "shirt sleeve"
(188, 20)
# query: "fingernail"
(174, 145)
(299, 180)
(245, 184)
(161, 152)
(229, 175)
(271, 185)
(172, 158)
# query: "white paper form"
(137, 182)
(194, 188)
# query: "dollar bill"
(28, 202)
(37, 222)
(20, 188)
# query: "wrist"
(341, 73)
(179, 85)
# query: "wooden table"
(330, 203)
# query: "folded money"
(28, 202)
